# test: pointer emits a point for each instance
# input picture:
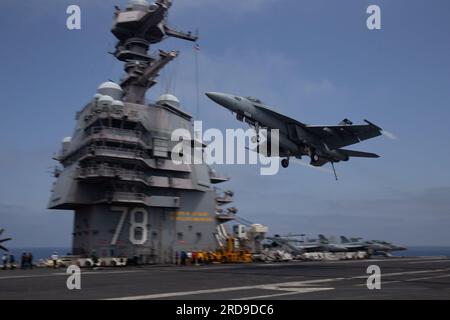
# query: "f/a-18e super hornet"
(3, 240)
(371, 247)
(375, 247)
(323, 143)
(296, 246)
(390, 246)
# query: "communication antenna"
(197, 76)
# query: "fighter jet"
(323, 143)
(295, 246)
(370, 247)
(332, 247)
(374, 247)
(390, 247)
(285, 244)
(3, 240)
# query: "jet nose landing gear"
(314, 158)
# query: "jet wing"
(339, 136)
(278, 115)
(358, 154)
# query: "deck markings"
(421, 279)
(208, 291)
(433, 261)
(299, 291)
(283, 286)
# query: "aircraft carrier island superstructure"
(116, 171)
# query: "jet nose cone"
(216, 97)
(221, 98)
(211, 95)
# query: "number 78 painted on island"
(134, 225)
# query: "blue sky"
(314, 60)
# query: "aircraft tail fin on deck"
(358, 154)
(344, 239)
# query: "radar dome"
(66, 145)
(118, 103)
(169, 99)
(111, 89)
(105, 101)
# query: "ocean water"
(38, 253)
(424, 251)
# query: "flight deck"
(401, 278)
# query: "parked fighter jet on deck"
(323, 143)
(374, 247)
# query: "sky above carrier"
(313, 60)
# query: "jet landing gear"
(312, 154)
(314, 158)
(285, 163)
(334, 171)
(257, 127)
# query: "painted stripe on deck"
(284, 286)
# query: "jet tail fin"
(358, 154)
(344, 239)
(322, 238)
